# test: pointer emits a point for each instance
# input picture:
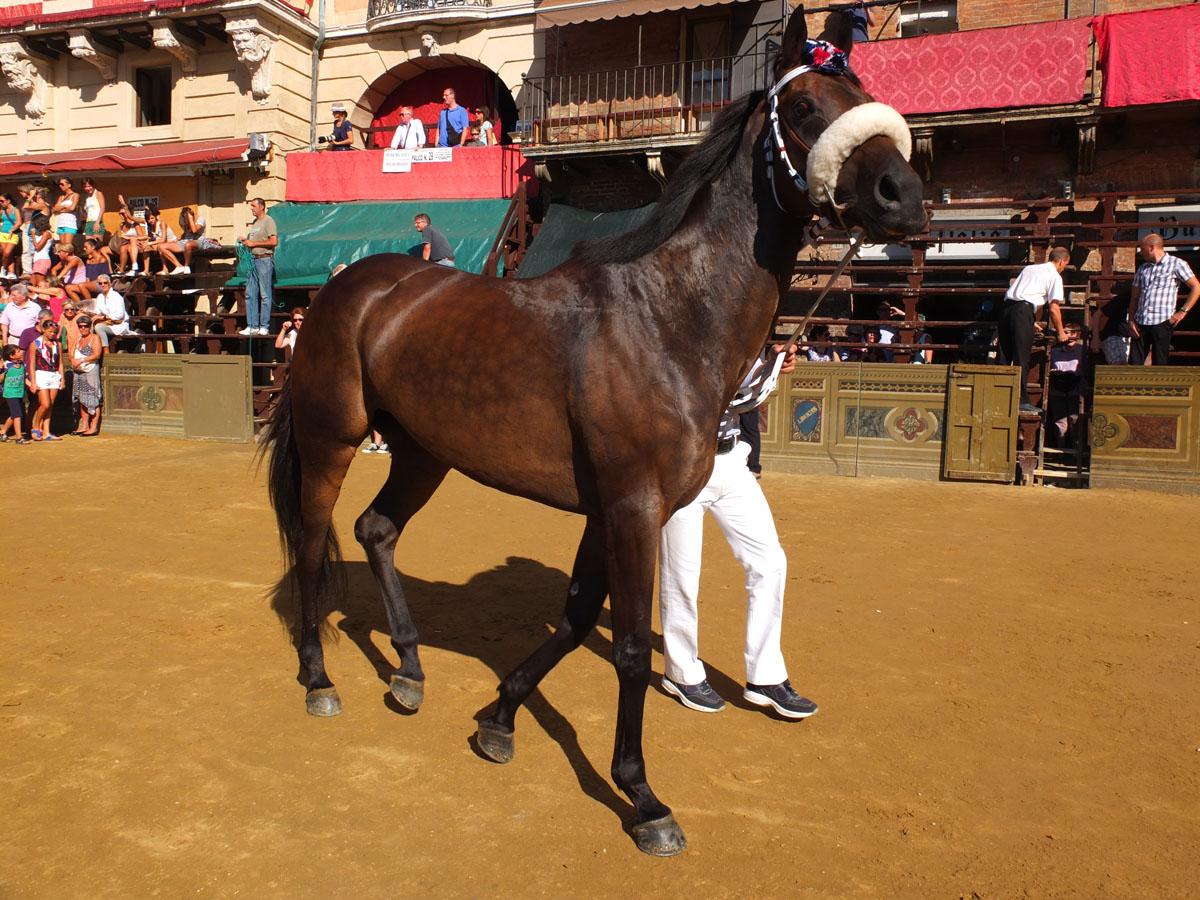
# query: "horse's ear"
(794, 38)
(839, 30)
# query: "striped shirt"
(752, 393)
(1160, 283)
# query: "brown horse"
(599, 388)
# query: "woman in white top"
(290, 330)
(485, 133)
(93, 210)
(67, 207)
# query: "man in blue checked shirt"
(1152, 305)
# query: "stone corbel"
(83, 47)
(1085, 163)
(165, 38)
(254, 44)
(922, 153)
(23, 76)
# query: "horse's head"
(831, 145)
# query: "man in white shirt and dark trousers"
(736, 501)
(1037, 286)
(410, 133)
(1152, 305)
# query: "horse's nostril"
(887, 191)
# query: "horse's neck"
(738, 251)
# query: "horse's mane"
(699, 169)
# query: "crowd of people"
(456, 126)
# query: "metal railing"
(377, 9)
(637, 103)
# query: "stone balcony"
(382, 14)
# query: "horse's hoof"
(661, 837)
(498, 746)
(408, 693)
(323, 702)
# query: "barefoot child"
(14, 391)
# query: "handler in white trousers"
(736, 501)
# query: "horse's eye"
(802, 107)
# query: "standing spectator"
(1037, 286)
(68, 326)
(410, 133)
(93, 211)
(919, 356)
(453, 122)
(1066, 385)
(15, 383)
(343, 132)
(113, 318)
(67, 208)
(737, 503)
(10, 236)
(1152, 305)
(20, 313)
(45, 356)
(261, 241)
(43, 245)
(33, 204)
(435, 246)
(485, 132)
(85, 362)
(1114, 330)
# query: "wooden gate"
(981, 423)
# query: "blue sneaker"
(700, 697)
(786, 702)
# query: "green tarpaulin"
(565, 226)
(316, 237)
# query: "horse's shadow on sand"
(499, 617)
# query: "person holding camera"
(343, 132)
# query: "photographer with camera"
(343, 132)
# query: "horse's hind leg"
(585, 598)
(316, 559)
(413, 478)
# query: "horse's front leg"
(632, 537)
(585, 599)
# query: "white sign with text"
(402, 160)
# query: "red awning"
(117, 159)
(988, 68)
(1150, 56)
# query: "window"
(934, 17)
(153, 89)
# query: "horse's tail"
(283, 487)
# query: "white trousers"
(736, 501)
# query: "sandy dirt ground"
(1007, 679)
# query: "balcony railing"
(641, 105)
(380, 12)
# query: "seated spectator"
(19, 314)
(113, 318)
(484, 131)
(820, 345)
(70, 272)
(875, 353)
(1066, 385)
(290, 330)
(1114, 329)
(919, 356)
(470, 139)
(852, 351)
(410, 133)
(10, 236)
(157, 234)
(43, 246)
(85, 362)
(95, 264)
(50, 295)
(191, 239)
(133, 237)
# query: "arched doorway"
(421, 88)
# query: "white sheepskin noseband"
(847, 133)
